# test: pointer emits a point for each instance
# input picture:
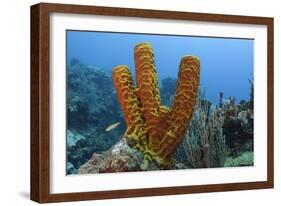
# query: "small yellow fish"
(112, 126)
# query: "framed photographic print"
(132, 102)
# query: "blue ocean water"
(226, 64)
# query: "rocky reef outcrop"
(120, 158)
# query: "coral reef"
(91, 102)
(153, 129)
(72, 138)
(245, 159)
(238, 126)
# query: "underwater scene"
(146, 102)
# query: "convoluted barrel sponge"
(152, 128)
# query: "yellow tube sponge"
(152, 128)
(130, 106)
(148, 90)
(182, 108)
